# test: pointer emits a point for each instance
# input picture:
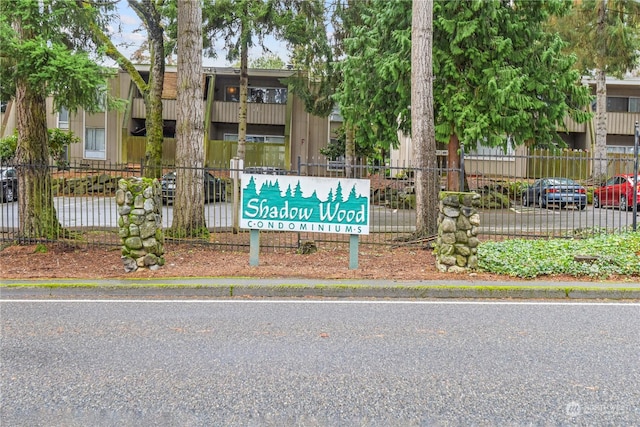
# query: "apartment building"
(279, 130)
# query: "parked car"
(8, 185)
(215, 189)
(617, 192)
(555, 191)
(265, 170)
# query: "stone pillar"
(457, 244)
(139, 202)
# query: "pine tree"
(604, 35)
(188, 217)
(41, 56)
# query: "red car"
(617, 192)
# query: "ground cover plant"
(602, 255)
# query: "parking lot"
(101, 213)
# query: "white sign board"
(300, 203)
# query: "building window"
(634, 105)
(274, 139)
(63, 118)
(616, 104)
(94, 144)
(620, 149)
(259, 95)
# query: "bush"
(8, 147)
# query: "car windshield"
(561, 181)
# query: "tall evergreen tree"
(422, 118)
(605, 36)
(40, 56)
(188, 217)
(498, 74)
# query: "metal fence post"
(634, 221)
(461, 166)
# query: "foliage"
(614, 48)
(498, 73)
(52, 61)
(8, 146)
(616, 254)
(494, 200)
(336, 147)
(58, 140)
(377, 44)
(269, 61)
(605, 38)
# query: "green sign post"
(304, 204)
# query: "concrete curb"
(305, 288)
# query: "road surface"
(320, 363)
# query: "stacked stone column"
(139, 202)
(457, 244)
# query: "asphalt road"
(318, 363)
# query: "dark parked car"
(8, 185)
(617, 192)
(215, 189)
(555, 191)
(265, 170)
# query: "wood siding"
(138, 110)
(267, 114)
(622, 123)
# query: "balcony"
(261, 114)
(622, 123)
(138, 110)
(617, 123)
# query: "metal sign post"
(236, 173)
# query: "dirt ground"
(404, 263)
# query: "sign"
(300, 203)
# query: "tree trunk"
(600, 147)
(154, 122)
(422, 119)
(153, 94)
(349, 150)
(244, 92)
(188, 217)
(36, 212)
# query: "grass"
(614, 254)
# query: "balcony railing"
(224, 112)
(262, 114)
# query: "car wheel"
(623, 203)
(8, 194)
(541, 201)
(596, 201)
(525, 200)
(582, 207)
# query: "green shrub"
(8, 147)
